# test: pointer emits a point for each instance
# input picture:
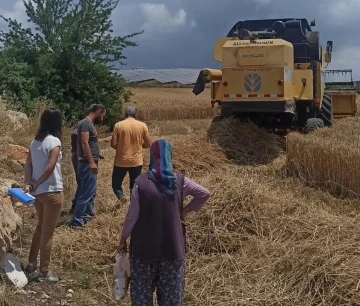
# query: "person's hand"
(93, 168)
(184, 213)
(35, 185)
(28, 188)
(122, 248)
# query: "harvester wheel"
(326, 109)
(313, 124)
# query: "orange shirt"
(130, 138)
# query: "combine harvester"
(273, 73)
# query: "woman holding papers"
(44, 181)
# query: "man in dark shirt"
(88, 155)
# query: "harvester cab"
(273, 73)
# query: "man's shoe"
(48, 278)
(75, 227)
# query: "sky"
(182, 33)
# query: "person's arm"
(53, 157)
(84, 141)
(147, 139)
(115, 137)
(199, 193)
(28, 173)
(131, 219)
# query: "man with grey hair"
(130, 137)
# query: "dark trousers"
(118, 176)
(84, 207)
(167, 277)
(75, 163)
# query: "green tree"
(68, 56)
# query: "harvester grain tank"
(273, 73)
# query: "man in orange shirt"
(129, 138)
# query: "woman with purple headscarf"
(155, 222)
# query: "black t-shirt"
(86, 125)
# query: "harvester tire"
(313, 124)
(326, 112)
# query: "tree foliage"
(69, 55)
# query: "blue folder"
(21, 196)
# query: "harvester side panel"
(303, 91)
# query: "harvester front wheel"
(326, 112)
(313, 124)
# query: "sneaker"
(49, 278)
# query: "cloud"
(344, 11)
(17, 12)
(158, 18)
(182, 33)
(346, 58)
(261, 2)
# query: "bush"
(68, 58)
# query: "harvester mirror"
(329, 46)
(328, 58)
(313, 23)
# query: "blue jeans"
(84, 208)
(75, 164)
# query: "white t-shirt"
(39, 157)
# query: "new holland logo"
(252, 82)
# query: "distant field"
(171, 103)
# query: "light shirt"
(39, 158)
(130, 133)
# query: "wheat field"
(268, 236)
(158, 104)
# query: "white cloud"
(261, 2)
(347, 58)
(341, 11)
(157, 18)
(16, 12)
